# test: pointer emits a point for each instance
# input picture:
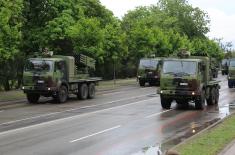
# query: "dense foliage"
(67, 26)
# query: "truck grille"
(181, 84)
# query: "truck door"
(60, 67)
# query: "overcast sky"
(221, 12)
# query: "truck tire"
(212, 97)
(32, 98)
(62, 94)
(142, 83)
(166, 102)
(200, 101)
(83, 92)
(91, 91)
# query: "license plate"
(40, 81)
(183, 84)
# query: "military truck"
(58, 76)
(187, 78)
(224, 67)
(148, 71)
(231, 73)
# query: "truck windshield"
(232, 63)
(148, 63)
(180, 67)
(38, 65)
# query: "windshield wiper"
(148, 66)
(170, 73)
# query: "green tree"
(192, 21)
(10, 38)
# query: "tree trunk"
(6, 85)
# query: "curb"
(202, 131)
(231, 144)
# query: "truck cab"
(185, 79)
(43, 75)
(149, 71)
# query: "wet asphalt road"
(125, 121)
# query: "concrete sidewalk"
(229, 149)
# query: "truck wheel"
(200, 101)
(91, 91)
(212, 97)
(142, 83)
(33, 98)
(166, 102)
(62, 94)
(83, 92)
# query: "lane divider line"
(94, 134)
(62, 120)
(112, 93)
(153, 115)
(70, 110)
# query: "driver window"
(60, 66)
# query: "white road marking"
(153, 115)
(1, 110)
(112, 93)
(94, 134)
(69, 118)
(70, 110)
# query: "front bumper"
(39, 90)
(179, 94)
(149, 79)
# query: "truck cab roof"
(179, 59)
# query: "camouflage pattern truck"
(58, 76)
(148, 71)
(187, 78)
(231, 73)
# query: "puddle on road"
(192, 129)
(150, 151)
(161, 148)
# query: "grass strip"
(11, 95)
(212, 141)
